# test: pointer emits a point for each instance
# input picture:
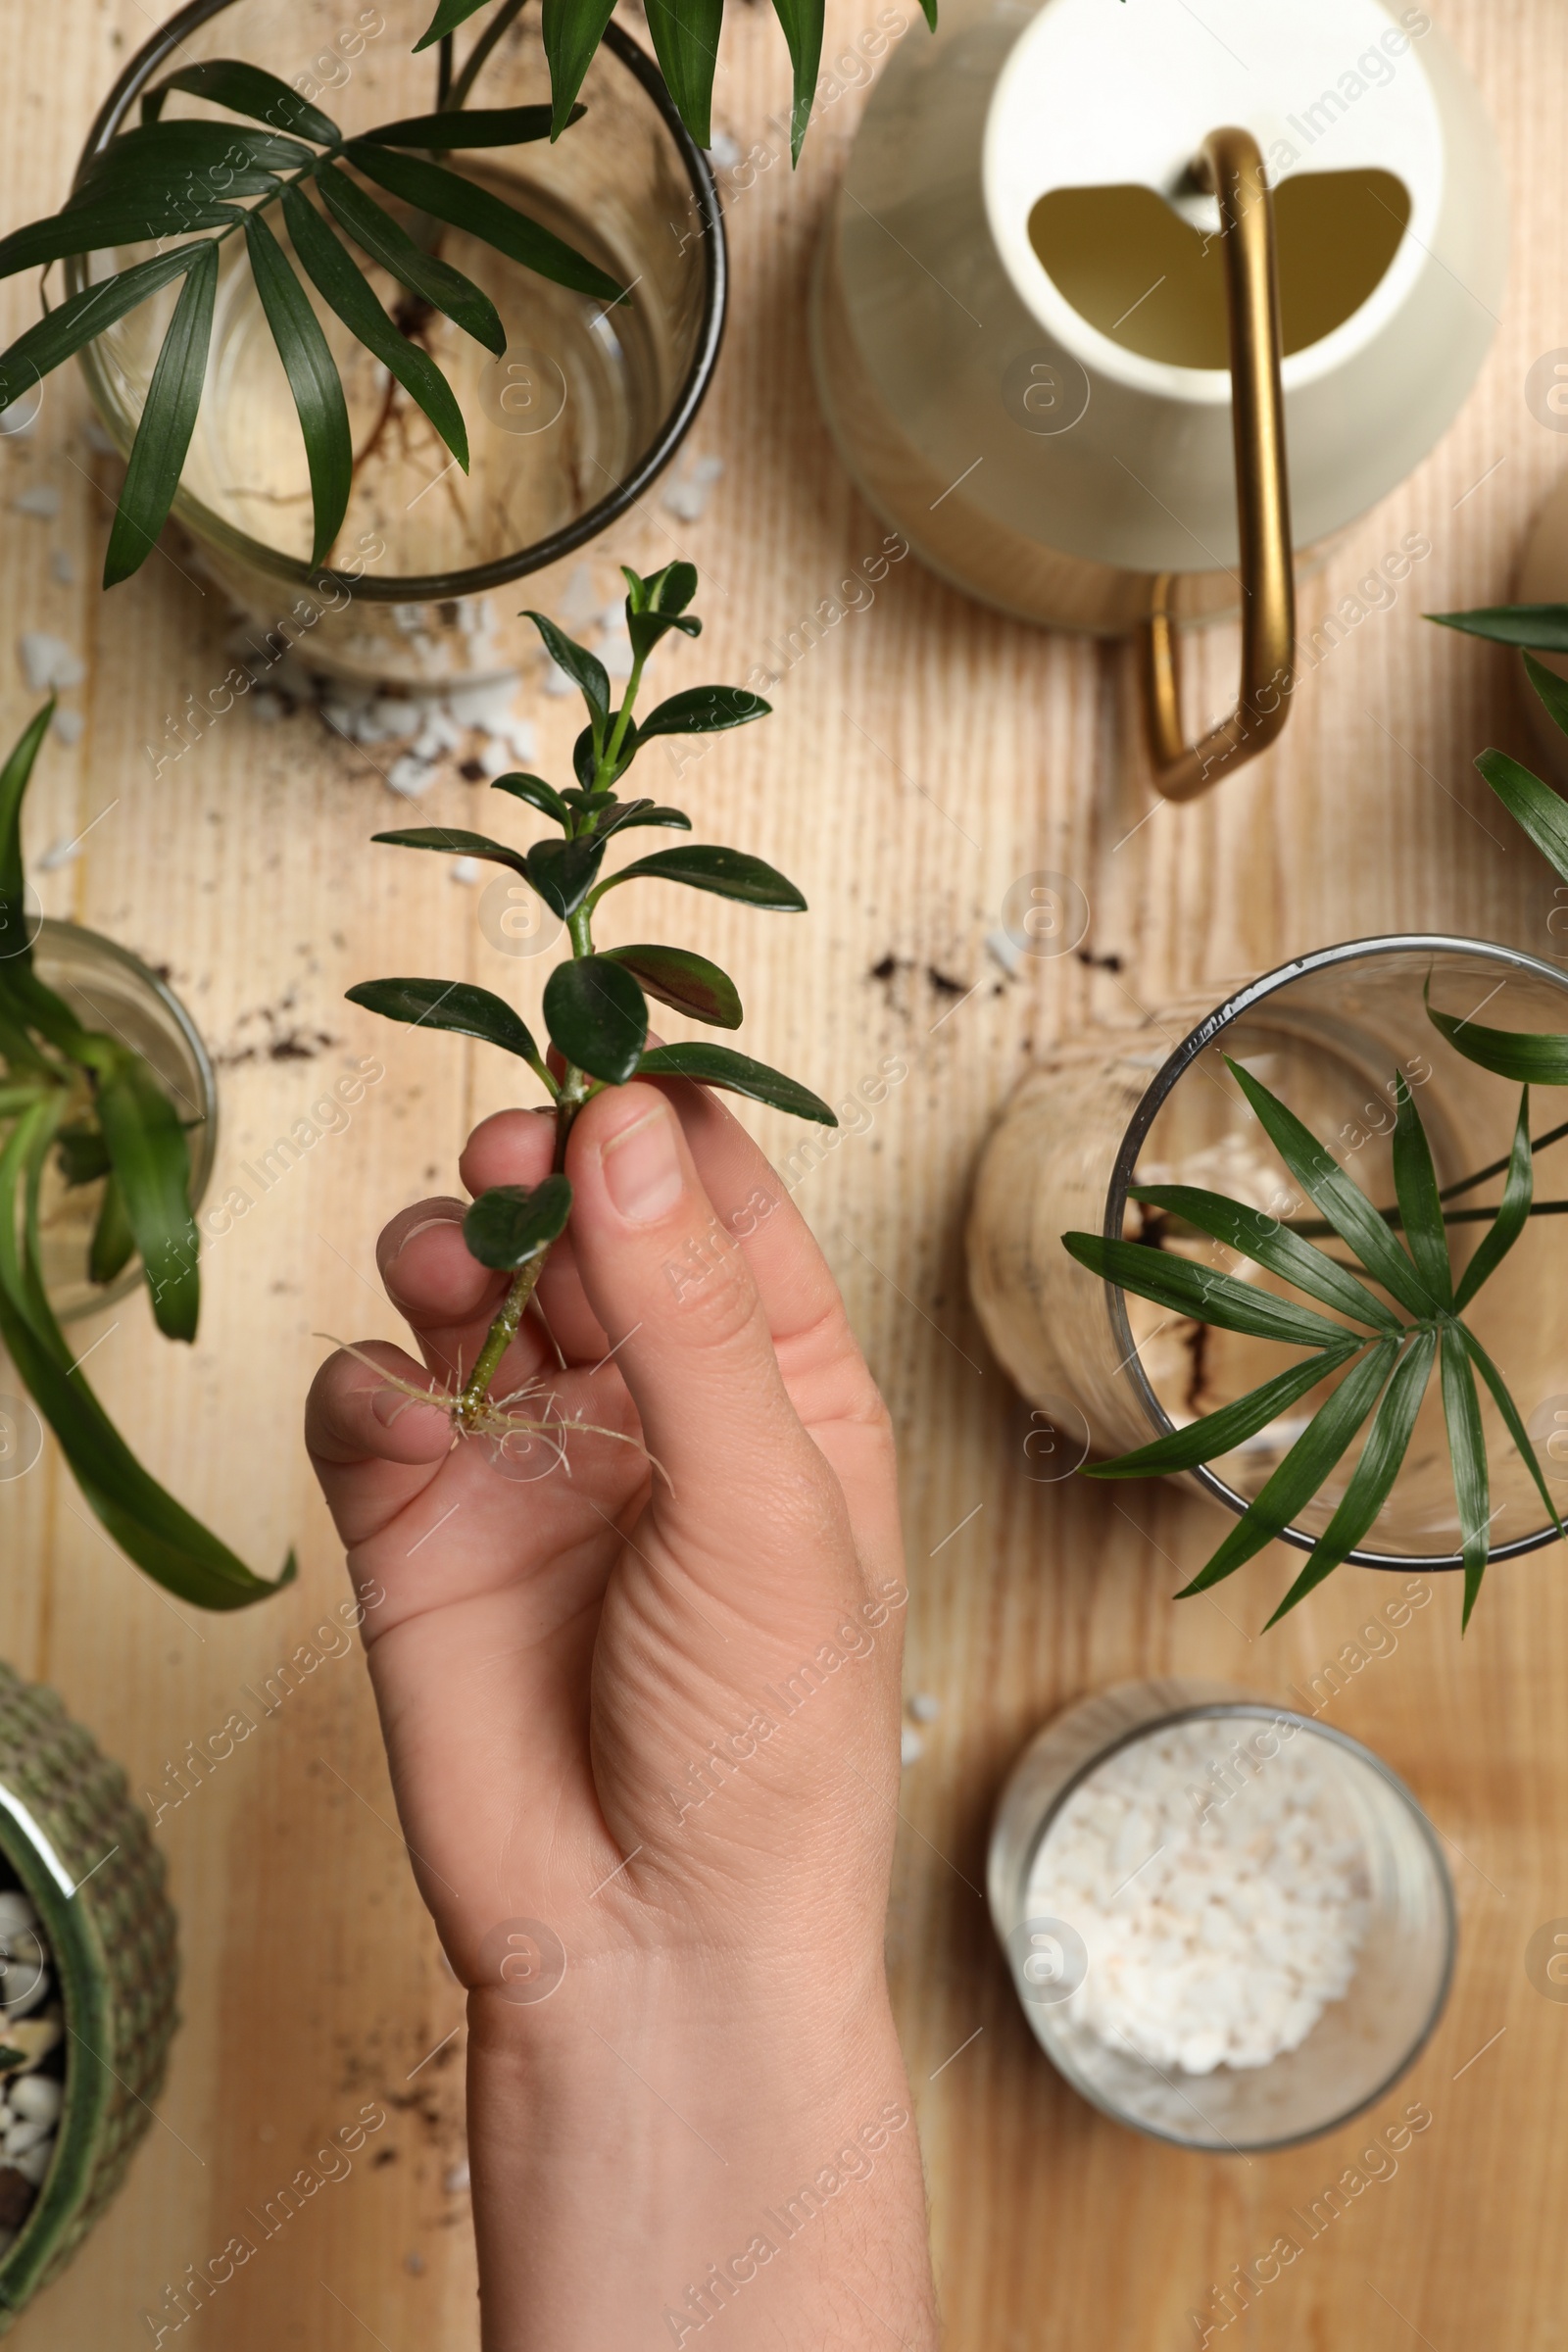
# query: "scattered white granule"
(1218, 1927)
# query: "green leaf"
(689, 982)
(597, 1016)
(312, 378)
(1512, 1420)
(1268, 1242)
(512, 1223)
(1531, 1057)
(81, 1155)
(245, 90)
(728, 873)
(113, 1243)
(454, 1004)
(343, 285)
(704, 710)
(468, 126)
(1415, 1186)
(1552, 690)
(1371, 1482)
(448, 17)
(738, 1074)
(536, 792)
(1542, 813)
(801, 20)
(1544, 626)
(586, 670)
(1214, 1434)
(572, 30)
(1305, 1468)
(563, 873)
(657, 605)
(455, 842)
(645, 812)
(151, 1161)
(376, 232)
(15, 944)
(686, 45)
(585, 753)
(1512, 1213)
(126, 220)
(1203, 1293)
(448, 196)
(167, 421)
(32, 354)
(228, 157)
(1467, 1455)
(1344, 1203)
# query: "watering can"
(1126, 308)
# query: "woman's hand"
(641, 1703)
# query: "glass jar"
(1363, 2041)
(109, 988)
(1156, 1105)
(567, 429)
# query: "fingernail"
(642, 1168)
(452, 1217)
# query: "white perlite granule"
(1218, 1927)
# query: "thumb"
(673, 1290)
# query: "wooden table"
(924, 755)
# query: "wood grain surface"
(924, 755)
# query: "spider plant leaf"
(737, 1074)
(1268, 1242)
(1305, 1468)
(586, 670)
(344, 287)
(312, 378)
(730, 873)
(597, 1016)
(151, 1161)
(1388, 1442)
(468, 126)
(1467, 1455)
(245, 90)
(1514, 1210)
(167, 421)
(1214, 1434)
(803, 22)
(15, 943)
(448, 17)
(1513, 1421)
(456, 842)
(1552, 690)
(676, 976)
(96, 227)
(376, 233)
(77, 319)
(1203, 1293)
(80, 1153)
(563, 873)
(1415, 1186)
(1544, 626)
(1344, 1203)
(536, 792)
(113, 1243)
(1532, 1057)
(454, 1004)
(1542, 813)
(703, 710)
(512, 1223)
(686, 45)
(448, 196)
(571, 30)
(155, 1531)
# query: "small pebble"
(16, 1912)
(924, 1707)
(49, 662)
(410, 778)
(41, 499)
(33, 2163)
(20, 419)
(688, 495)
(457, 2180)
(68, 725)
(556, 682)
(61, 567)
(37, 2097)
(59, 853)
(723, 154)
(1003, 949)
(97, 438)
(467, 869)
(26, 2132)
(912, 1748)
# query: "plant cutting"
(1397, 1311)
(596, 1001)
(92, 1103)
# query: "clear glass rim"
(1151, 1102)
(435, 587)
(1213, 1710)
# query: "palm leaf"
(1203, 1293)
(1512, 1214)
(1551, 688)
(1415, 1185)
(1268, 1242)
(1467, 1455)
(1512, 1420)
(312, 378)
(167, 421)
(448, 196)
(245, 90)
(803, 22)
(1542, 812)
(1544, 626)
(120, 221)
(436, 283)
(1388, 1442)
(151, 1162)
(78, 320)
(571, 30)
(686, 45)
(1214, 1434)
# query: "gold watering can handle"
(1232, 168)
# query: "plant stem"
(503, 19)
(503, 1331)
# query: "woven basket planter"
(64, 1808)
